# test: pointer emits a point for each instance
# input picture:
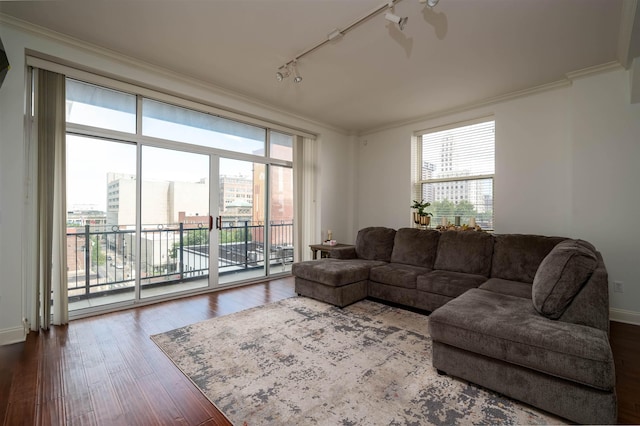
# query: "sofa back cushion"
(375, 243)
(465, 251)
(561, 275)
(516, 257)
(415, 247)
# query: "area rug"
(303, 362)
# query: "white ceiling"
(458, 53)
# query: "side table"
(325, 250)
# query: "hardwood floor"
(106, 370)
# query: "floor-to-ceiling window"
(157, 190)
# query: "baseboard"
(12, 335)
(621, 315)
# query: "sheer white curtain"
(51, 198)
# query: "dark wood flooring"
(106, 370)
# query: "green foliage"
(98, 257)
(420, 206)
(197, 237)
(233, 236)
(449, 209)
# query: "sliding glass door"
(101, 221)
(174, 231)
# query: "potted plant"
(421, 217)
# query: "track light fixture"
(296, 76)
(283, 72)
(291, 67)
(287, 69)
(401, 21)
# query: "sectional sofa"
(524, 315)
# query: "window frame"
(419, 182)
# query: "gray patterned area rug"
(303, 362)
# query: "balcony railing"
(101, 260)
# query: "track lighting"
(291, 67)
(287, 69)
(396, 20)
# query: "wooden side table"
(325, 250)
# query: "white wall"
(566, 164)
(605, 147)
(335, 178)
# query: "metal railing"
(101, 260)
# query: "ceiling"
(460, 52)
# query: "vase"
(421, 221)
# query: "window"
(281, 146)
(101, 107)
(179, 124)
(455, 171)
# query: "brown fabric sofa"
(524, 315)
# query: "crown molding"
(75, 43)
(482, 103)
(597, 69)
(565, 82)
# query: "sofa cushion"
(415, 247)
(465, 251)
(509, 329)
(448, 283)
(561, 275)
(334, 272)
(375, 243)
(512, 288)
(516, 257)
(397, 274)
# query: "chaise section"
(339, 282)
(571, 400)
(345, 280)
(492, 325)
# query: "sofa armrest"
(343, 253)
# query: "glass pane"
(459, 152)
(242, 208)
(175, 221)
(469, 199)
(184, 125)
(281, 146)
(97, 106)
(99, 226)
(281, 224)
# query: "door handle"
(218, 222)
